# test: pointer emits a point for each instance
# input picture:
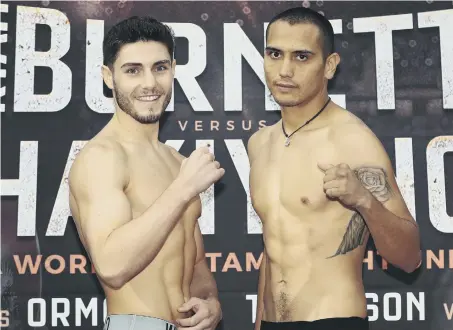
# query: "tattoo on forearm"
(354, 236)
(376, 181)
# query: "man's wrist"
(365, 201)
(181, 190)
(214, 300)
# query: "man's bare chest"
(149, 176)
(289, 178)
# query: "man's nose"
(286, 68)
(149, 80)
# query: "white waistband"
(136, 322)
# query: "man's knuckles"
(341, 172)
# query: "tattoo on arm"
(354, 236)
(376, 181)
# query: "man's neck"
(295, 117)
(133, 130)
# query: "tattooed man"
(321, 183)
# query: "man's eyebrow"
(131, 64)
(301, 51)
(273, 49)
(162, 62)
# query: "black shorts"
(337, 323)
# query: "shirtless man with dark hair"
(322, 183)
(135, 201)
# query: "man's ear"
(107, 75)
(332, 62)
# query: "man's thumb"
(324, 167)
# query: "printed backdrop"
(396, 74)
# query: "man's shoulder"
(260, 136)
(176, 154)
(351, 129)
(257, 140)
(98, 154)
(96, 149)
(354, 138)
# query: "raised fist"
(199, 171)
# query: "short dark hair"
(301, 14)
(134, 29)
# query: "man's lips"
(285, 85)
(148, 98)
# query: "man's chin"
(146, 118)
(149, 119)
(288, 103)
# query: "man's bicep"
(379, 178)
(102, 206)
(371, 164)
(100, 214)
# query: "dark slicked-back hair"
(134, 29)
(299, 15)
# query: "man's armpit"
(375, 179)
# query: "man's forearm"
(396, 239)
(259, 313)
(259, 306)
(260, 298)
(203, 285)
(133, 246)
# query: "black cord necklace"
(287, 141)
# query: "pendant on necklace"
(287, 141)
